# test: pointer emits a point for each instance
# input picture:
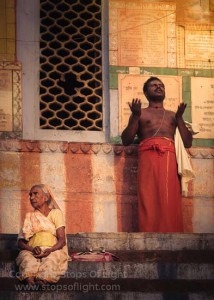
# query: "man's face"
(155, 90)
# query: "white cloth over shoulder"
(185, 169)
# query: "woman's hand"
(37, 251)
(46, 252)
(42, 254)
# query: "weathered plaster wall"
(95, 185)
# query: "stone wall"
(95, 185)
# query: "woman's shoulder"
(57, 217)
(28, 214)
(56, 212)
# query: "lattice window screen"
(70, 65)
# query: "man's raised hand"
(135, 107)
(180, 111)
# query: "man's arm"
(184, 132)
(130, 131)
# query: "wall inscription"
(198, 45)
(202, 98)
(138, 37)
(133, 37)
(131, 86)
(161, 34)
(6, 99)
(195, 46)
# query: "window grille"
(71, 65)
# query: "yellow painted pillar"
(7, 30)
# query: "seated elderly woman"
(44, 255)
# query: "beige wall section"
(203, 183)
(202, 100)
(114, 112)
(7, 30)
(203, 217)
(52, 173)
(203, 192)
(10, 192)
(103, 189)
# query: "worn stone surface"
(128, 241)
(178, 272)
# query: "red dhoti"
(159, 191)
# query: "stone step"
(96, 286)
(83, 295)
(205, 256)
(128, 241)
(142, 241)
(132, 284)
(127, 270)
(151, 266)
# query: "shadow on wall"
(126, 188)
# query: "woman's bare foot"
(30, 281)
(40, 282)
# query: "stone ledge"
(129, 241)
(126, 270)
(140, 256)
(142, 241)
(14, 145)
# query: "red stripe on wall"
(188, 209)
(29, 175)
(125, 167)
(79, 201)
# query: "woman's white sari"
(39, 230)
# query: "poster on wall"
(131, 86)
(6, 99)
(202, 99)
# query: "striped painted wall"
(94, 184)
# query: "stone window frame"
(27, 52)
